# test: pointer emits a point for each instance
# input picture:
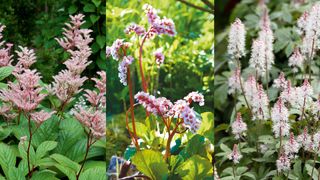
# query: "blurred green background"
(35, 24)
(188, 64)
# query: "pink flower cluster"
(123, 69)
(238, 126)
(159, 56)
(158, 25)
(5, 56)
(94, 116)
(76, 41)
(139, 30)
(98, 99)
(117, 49)
(25, 94)
(180, 109)
(235, 155)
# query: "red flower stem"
(134, 140)
(144, 83)
(171, 135)
(132, 108)
(86, 155)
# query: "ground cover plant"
(163, 133)
(55, 130)
(271, 128)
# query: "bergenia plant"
(164, 133)
(275, 122)
(41, 116)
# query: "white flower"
(236, 46)
(238, 126)
(235, 155)
(283, 163)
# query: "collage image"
(159, 89)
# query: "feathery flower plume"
(296, 60)
(26, 57)
(258, 57)
(283, 163)
(238, 126)
(76, 41)
(235, 155)
(236, 45)
(41, 116)
(5, 57)
(291, 147)
(280, 119)
(234, 82)
(26, 93)
(304, 140)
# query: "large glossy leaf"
(195, 168)
(151, 163)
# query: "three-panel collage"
(159, 89)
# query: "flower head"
(236, 45)
(123, 68)
(235, 155)
(238, 126)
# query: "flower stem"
(89, 138)
(29, 144)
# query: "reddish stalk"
(86, 155)
(144, 83)
(133, 137)
(171, 135)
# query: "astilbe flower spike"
(26, 57)
(5, 56)
(26, 93)
(41, 116)
(76, 41)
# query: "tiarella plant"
(163, 143)
(275, 122)
(42, 133)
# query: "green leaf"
(44, 174)
(140, 128)
(15, 174)
(195, 168)
(66, 162)
(94, 18)
(190, 150)
(89, 8)
(101, 40)
(7, 158)
(72, 9)
(309, 171)
(96, 2)
(5, 72)
(45, 147)
(96, 173)
(207, 124)
(151, 163)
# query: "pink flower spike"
(159, 56)
(235, 155)
(41, 116)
